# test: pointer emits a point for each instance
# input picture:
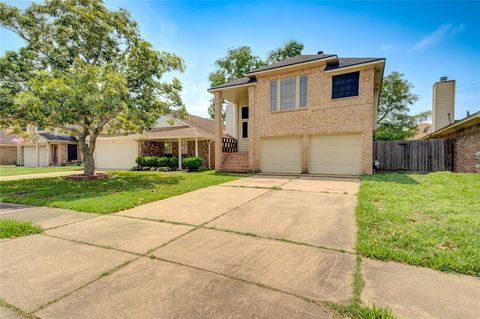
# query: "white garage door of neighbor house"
(116, 154)
(30, 156)
(336, 154)
(281, 155)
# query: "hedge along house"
(307, 114)
(170, 137)
(49, 149)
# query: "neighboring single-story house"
(170, 137)
(8, 148)
(49, 149)
(307, 114)
(466, 134)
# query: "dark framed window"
(244, 129)
(244, 112)
(345, 85)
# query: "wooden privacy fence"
(414, 156)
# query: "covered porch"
(236, 149)
(180, 148)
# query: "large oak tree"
(84, 69)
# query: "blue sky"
(423, 40)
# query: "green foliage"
(289, 49)
(241, 60)
(394, 122)
(85, 70)
(13, 228)
(156, 161)
(193, 163)
(430, 220)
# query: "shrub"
(163, 161)
(193, 163)
(173, 163)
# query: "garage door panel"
(281, 155)
(336, 154)
(116, 154)
(30, 156)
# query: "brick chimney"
(443, 103)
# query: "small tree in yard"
(394, 122)
(84, 70)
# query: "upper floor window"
(289, 93)
(345, 85)
(244, 112)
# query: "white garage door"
(30, 156)
(116, 154)
(338, 154)
(281, 155)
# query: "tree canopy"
(393, 118)
(84, 70)
(241, 60)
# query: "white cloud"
(437, 36)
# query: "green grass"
(121, 191)
(11, 170)
(430, 220)
(12, 228)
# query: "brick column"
(218, 131)
(251, 128)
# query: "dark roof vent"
(443, 78)
(320, 52)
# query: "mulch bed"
(82, 177)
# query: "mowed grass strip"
(121, 191)
(10, 228)
(11, 170)
(430, 220)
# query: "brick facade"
(322, 116)
(8, 154)
(152, 148)
(467, 143)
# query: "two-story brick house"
(307, 114)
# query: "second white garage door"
(118, 154)
(30, 156)
(336, 154)
(281, 155)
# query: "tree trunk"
(89, 169)
(87, 150)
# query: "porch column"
(251, 128)
(196, 147)
(179, 153)
(48, 154)
(218, 130)
(37, 154)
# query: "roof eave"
(223, 88)
(466, 122)
(357, 65)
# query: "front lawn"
(11, 170)
(428, 220)
(121, 191)
(10, 228)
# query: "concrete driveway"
(263, 247)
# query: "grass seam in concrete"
(307, 299)
(22, 313)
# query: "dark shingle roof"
(57, 137)
(340, 63)
(241, 81)
(292, 61)
(344, 62)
